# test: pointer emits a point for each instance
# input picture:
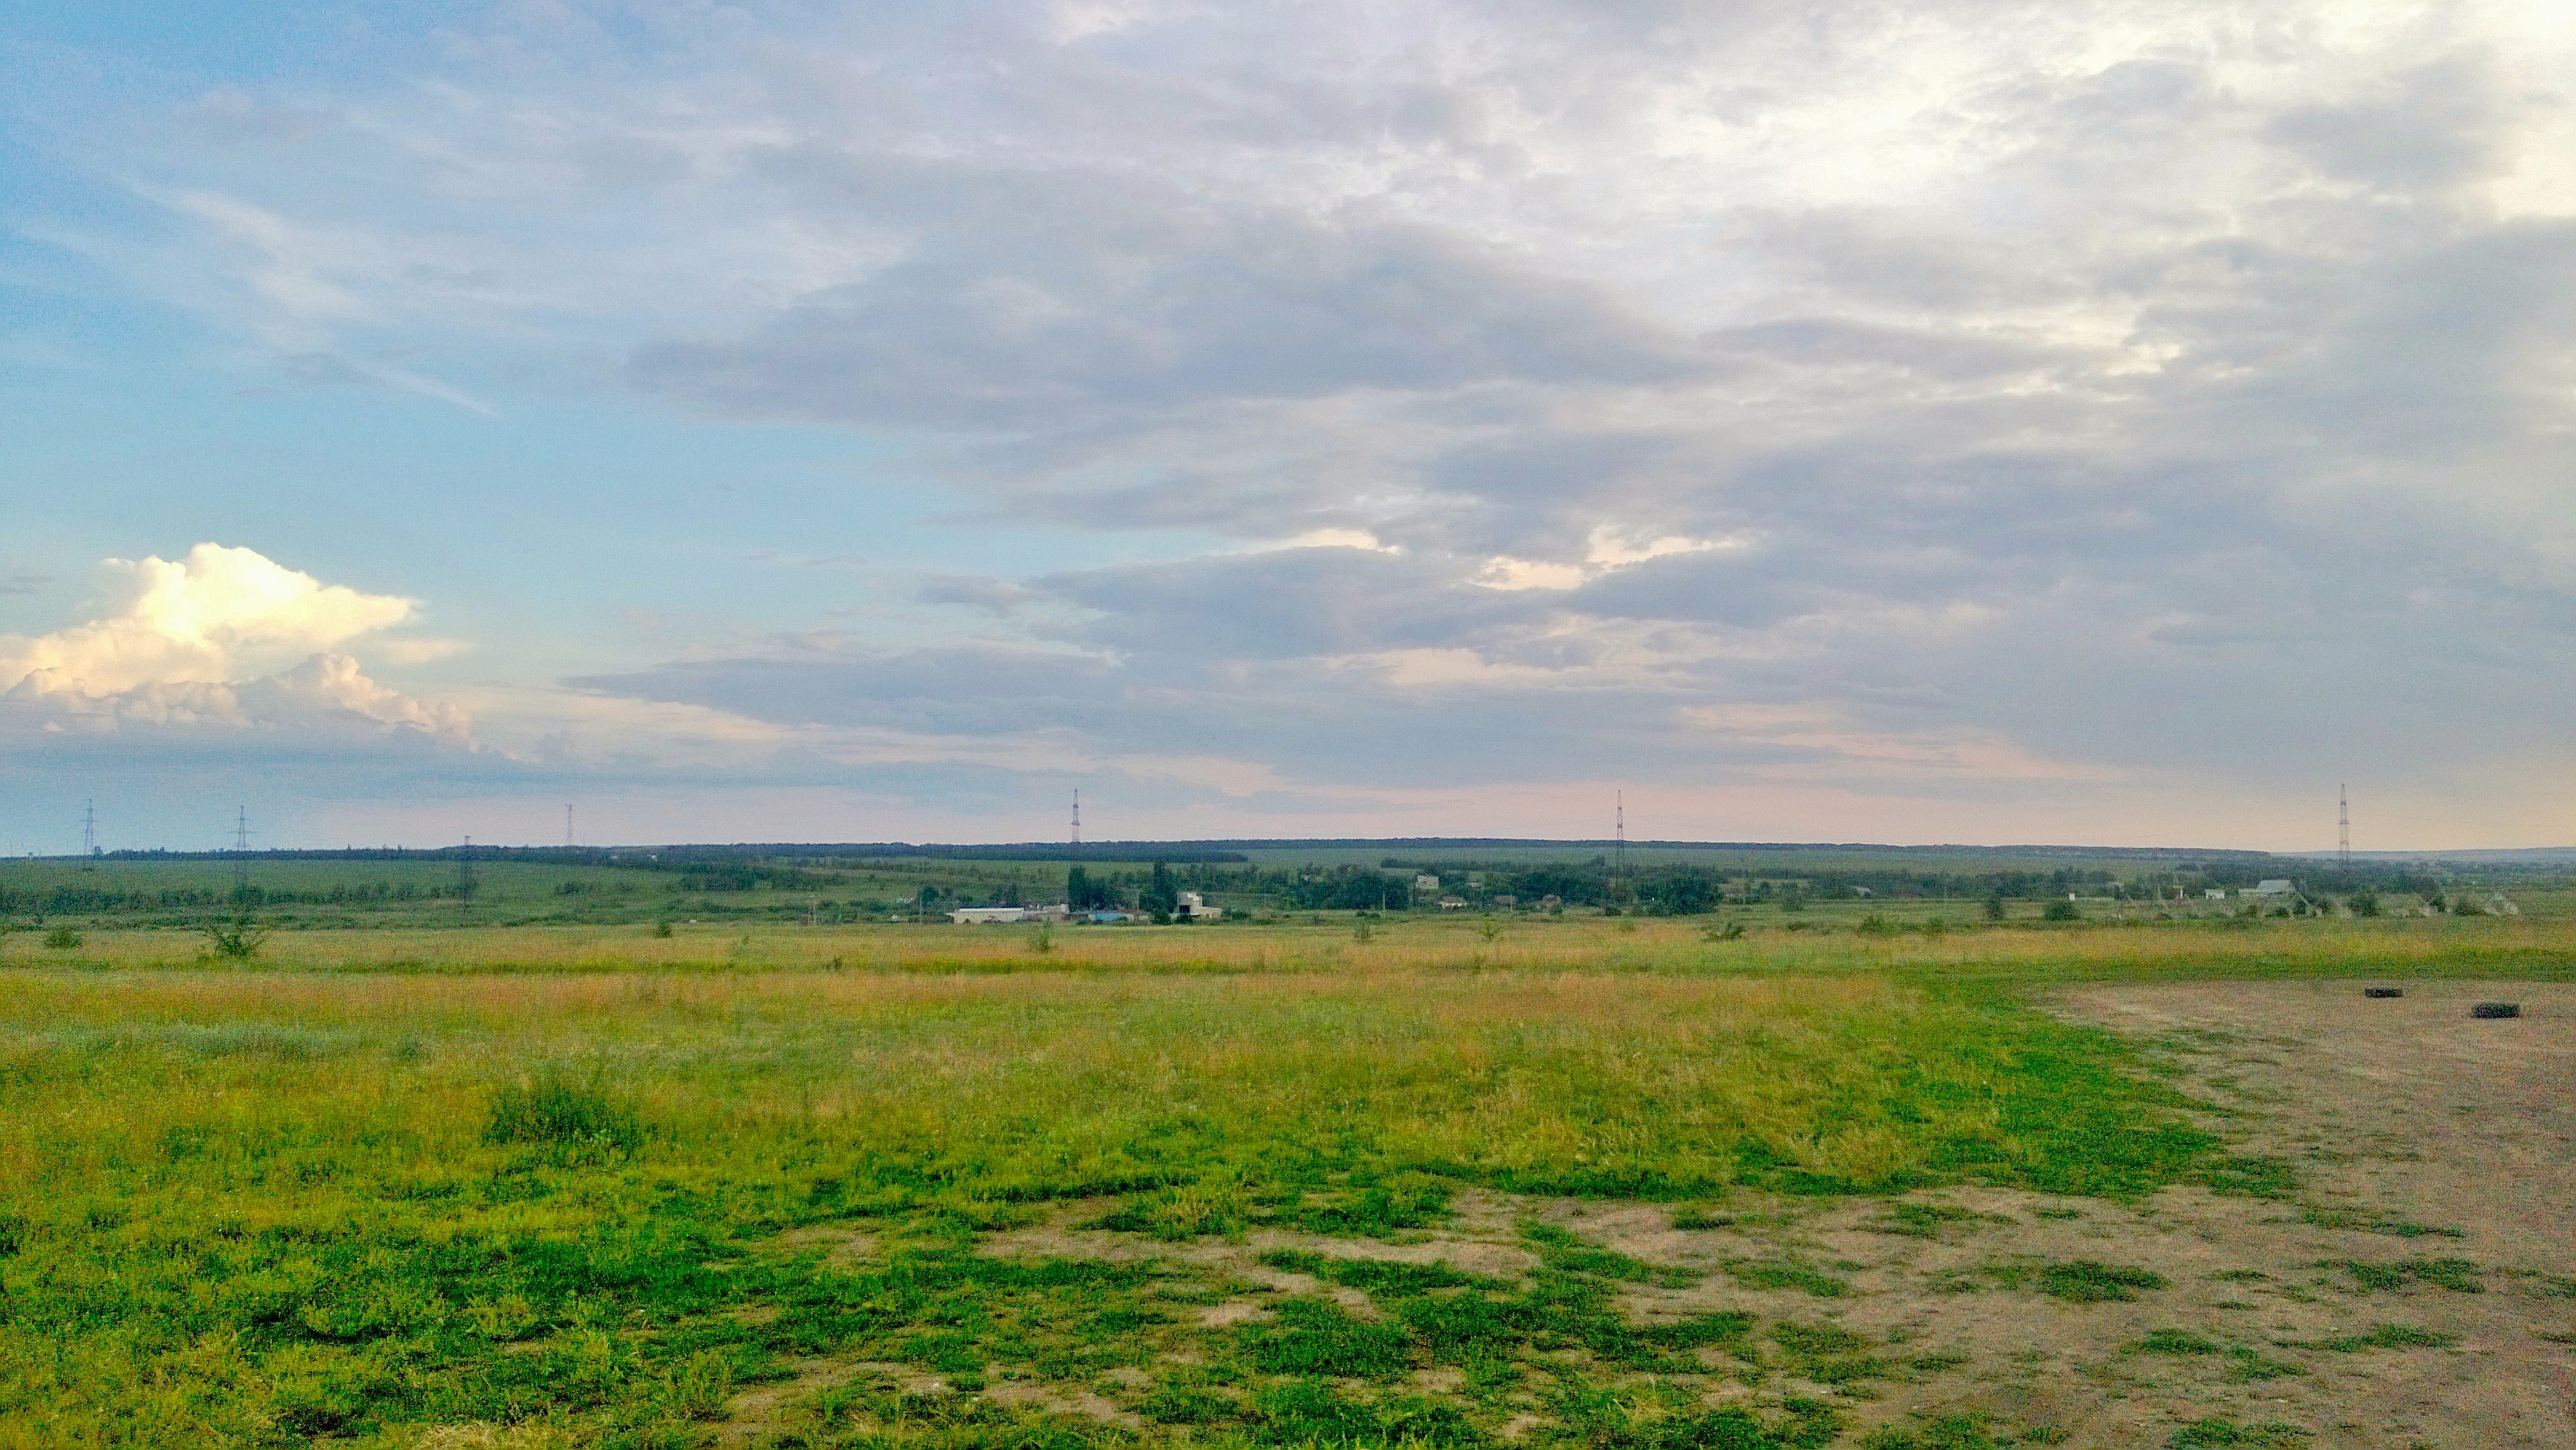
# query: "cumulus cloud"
(223, 638)
(219, 614)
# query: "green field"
(743, 1183)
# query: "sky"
(1960, 421)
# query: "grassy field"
(591, 1185)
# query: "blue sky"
(1927, 422)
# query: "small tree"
(2061, 910)
(1162, 894)
(1995, 906)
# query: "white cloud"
(220, 614)
(223, 639)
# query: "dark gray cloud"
(1071, 308)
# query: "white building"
(2274, 887)
(987, 915)
(1426, 884)
(1194, 907)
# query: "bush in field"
(2061, 911)
(553, 1111)
(1995, 907)
(236, 940)
(62, 938)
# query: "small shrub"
(1043, 941)
(1995, 907)
(661, 929)
(553, 1111)
(1729, 931)
(2061, 910)
(1490, 929)
(1363, 933)
(1877, 925)
(236, 940)
(62, 939)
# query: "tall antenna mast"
(89, 828)
(465, 878)
(1077, 822)
(2343, 828)
(1619, 826)
(567, 823)
(241, 853)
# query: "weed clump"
(62, 939)
(553, 1112)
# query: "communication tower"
(241, 854)
(1077, 822)
(1619, 830)
(2343, 829)
(89, 828)
(465, 877)
(567, 823)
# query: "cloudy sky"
(1944, 421)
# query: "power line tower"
(241, 855)
(2343, 829)
(465, 878)
(567, 823)
(89, 828)
(1077, 823)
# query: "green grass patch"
(1938, 1432)
(2369, 1221)
(2384, 1336)
(1561, 1250)
(1928, 1220)
(2460, 1276)
(260, 1207)
(2176, 1341)
(1786, 1273)
(2083, 1281)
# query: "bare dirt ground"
(2418, 1290)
